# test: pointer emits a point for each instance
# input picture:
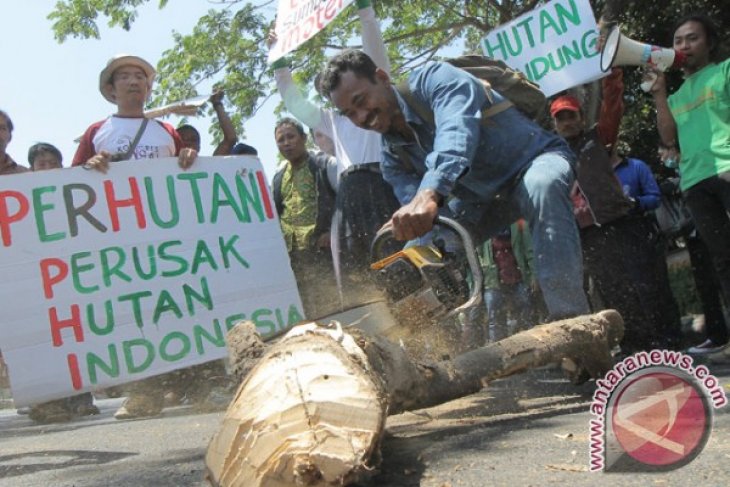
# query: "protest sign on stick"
(110, 278)
(554, 45)
(299, 20)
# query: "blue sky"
(50, 90)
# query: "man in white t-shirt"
(364, 200)
(126, 81)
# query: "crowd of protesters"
(126, 82)
(563, 218)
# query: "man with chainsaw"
(485, 168)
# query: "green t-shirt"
(701, 109)
(299, 195)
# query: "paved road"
(527, 430)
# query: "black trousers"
(621, 259)
(709, 203)
(364, 203)
(315, 278)
(708, 290)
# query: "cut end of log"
(614, 326)
(310, 413)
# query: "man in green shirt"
(299, 200)
(697, 116)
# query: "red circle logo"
(661, 419)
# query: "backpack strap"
(423, 111)
(495, 109)
(427, 114)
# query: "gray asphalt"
(529, 430)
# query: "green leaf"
(226, 45)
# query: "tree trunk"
(312, 411)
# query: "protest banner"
(299, 20)
(554, 45)
(109, 278)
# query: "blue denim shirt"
(462, 156)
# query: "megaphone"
(619, 50)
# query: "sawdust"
(426, 340)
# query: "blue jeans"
(514, 300)
(541, 196)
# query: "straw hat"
(116, 62)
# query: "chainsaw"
(426, 281)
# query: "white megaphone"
(619, 50)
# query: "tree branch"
(421, 32)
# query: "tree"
(225, 45)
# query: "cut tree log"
(312, 411)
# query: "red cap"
(565, 102)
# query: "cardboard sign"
(554, 45)
(299, 20)
(110, 278)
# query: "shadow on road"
(37, 461)
(475, 423)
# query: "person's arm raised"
(229, 131)
(295, 101)
(612, 107)
(666, 125)
(372, 37)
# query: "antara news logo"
(652, 413)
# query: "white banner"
(554, 45)
(113, 278)
(299, 20)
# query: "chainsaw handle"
(476, 296)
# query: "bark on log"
(245, 349)
(312, 411)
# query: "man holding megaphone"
(619, 50)
(697, 116)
